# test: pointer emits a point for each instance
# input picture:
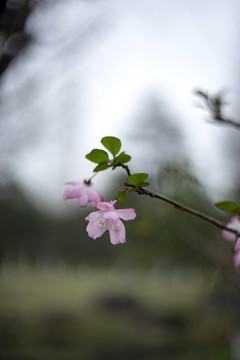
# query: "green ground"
(82, 313)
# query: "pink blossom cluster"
(230, 236)
(106, 217)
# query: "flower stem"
(125, 190)
(90, 179)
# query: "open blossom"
(108, 218)
(233, 224)
(229, 236)
(83, 191)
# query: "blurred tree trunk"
(13, 38)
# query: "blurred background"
(73, 72)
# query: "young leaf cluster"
(138, 180)
(101, 157)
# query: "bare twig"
(182, 207)
(229, 122)
(124, 166)
(214, 105)
(178, 205)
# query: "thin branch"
(228, 122)
(124, 166)
(178, 205)
(182, 207)
(214, 105)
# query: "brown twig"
(214, 105)
(124, 166)
(178, 205)
(229, 122)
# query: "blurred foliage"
(72, 313)
(159, 235)
(64, 316)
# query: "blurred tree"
(2, 5)
(13, 37)
(157, 135)
(43, 69)
(161, 150)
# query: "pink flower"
(108, 218)
(229, 236)
(236, 259)
(83, 191)
(233, 224)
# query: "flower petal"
(94, 231)
(236, 259)
(110, 215)
(97, 227)
(126, 214)
(117, 232)
(72, 193)
(74, 183)
(237, 245)
(94, 196)
(233, 224)
(83, 199)
(93, 216)
(106, 205)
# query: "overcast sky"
(90, 66)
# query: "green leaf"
(218, 101)
(115, 161)
(97, 156)
(124, 158)
(112, 143)
(229, 206)
(145, 183)
(138, 179)
(102, 166)
(123, 196)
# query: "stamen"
(103, 224)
